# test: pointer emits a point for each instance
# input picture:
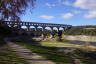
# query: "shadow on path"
(30, 57)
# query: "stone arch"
(15, 25)
(24, 27)
(55, 28)
(47, 28)
(61, 28)
(32, 28)
(39, 28)
(9, 25)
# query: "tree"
(5, 30)
(11, 9)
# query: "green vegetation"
(7, 56)
(51, 53)
(58, 44)
(2, 42)
(66, 44)
(56, 39)
(12, 12)
(81, 30)
(5, 31)
(85, 57)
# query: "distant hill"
(87, 26)
(82, 30)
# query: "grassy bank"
(86, 57)
(66, 44)
(84, 52)
(58, 44)
(7, 56)
(81, 30)
(51, 53)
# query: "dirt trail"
(30, 57)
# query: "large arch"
(55, 28)
(61, 28)
(39, 28)
(32, 28)
(47, 28)
(24, 27)
(9, 25)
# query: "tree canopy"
(12, 9)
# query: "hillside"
(81, 30)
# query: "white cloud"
(67, 3)
(76, 11)
(50, 5)
(67, 15)
(86, 4)
(91, 14)
(89, 5)
(46, 17)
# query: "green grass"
(51, 53)
(85, 58)
(7, 56)
(65, 44)
(58, 44)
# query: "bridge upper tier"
(36, 24)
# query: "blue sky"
(72, 12)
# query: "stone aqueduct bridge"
(36, 25)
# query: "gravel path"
(30, 57)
